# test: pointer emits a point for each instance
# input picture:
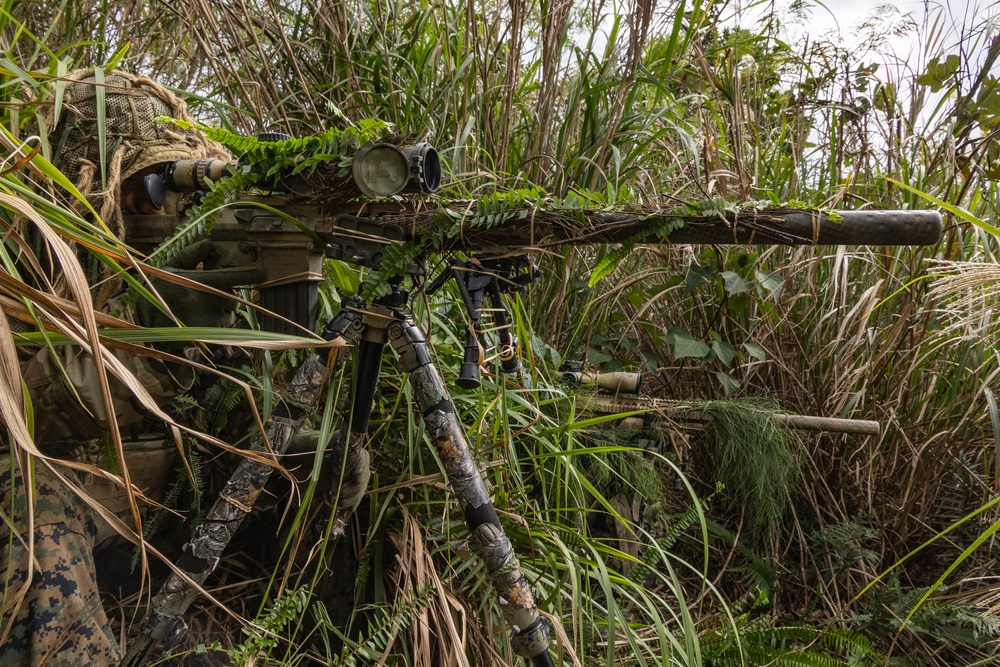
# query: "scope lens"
(380, 170)
(432, 170)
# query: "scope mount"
(362, 242)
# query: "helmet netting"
(133, 138)
(133, 142)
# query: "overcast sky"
(846, 19)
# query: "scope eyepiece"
(383, 170)
(193, 175)
(183, 176)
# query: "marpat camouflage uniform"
(60, 621)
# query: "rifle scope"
(382, 170)
(379, 170)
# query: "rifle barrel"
(683, 411)
(830, 424)
(889, 228)
(793, 227)
(525, 229)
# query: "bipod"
(481, 277)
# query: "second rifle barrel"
(830, 424)
(687, 412)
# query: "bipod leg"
(164, 621)
(517, 601)
(507, 349)
(472, 287)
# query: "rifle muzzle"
(618, 382)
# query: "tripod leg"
(164, 619)
(354, 461)
(531, 631)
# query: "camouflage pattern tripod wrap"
(517, 601)
(530, 640)
(164, 620)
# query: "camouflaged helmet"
(134, 140)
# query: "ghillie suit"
(51, 610)
(134, 139)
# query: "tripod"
(374, 326)
(371, 327)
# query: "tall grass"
(629, 102)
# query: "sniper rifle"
(286, 232)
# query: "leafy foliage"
(964, 633)
(386, 623)
(638, 107)
(295, 155)
(754, 456)
(261, 639)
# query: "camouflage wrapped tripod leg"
(164, 620)
(517, 601)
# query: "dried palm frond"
(446, 630)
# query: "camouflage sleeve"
(60, 621)
(66, 392)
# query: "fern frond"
(659, 229)
(650, 557)
(395, 259)
(387, 623)
(285, 609)
(201, 217)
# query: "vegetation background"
(761, 551)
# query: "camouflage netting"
(134, 140)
